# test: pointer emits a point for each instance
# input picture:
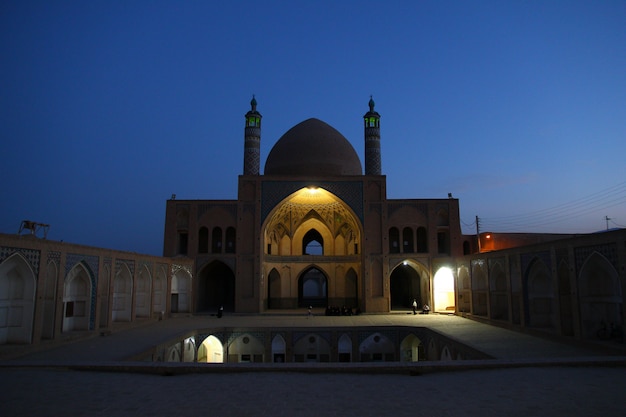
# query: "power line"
(601, 200)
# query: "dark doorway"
(405, 287)
(216, 287)
(312, 289)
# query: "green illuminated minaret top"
(372, 140)
(252, 146)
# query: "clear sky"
(517, 108)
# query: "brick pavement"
(530, 377)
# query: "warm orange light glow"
(487, 236)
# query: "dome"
(313, 148)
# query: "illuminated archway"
(411, 349)
(444, 290)
(211, 350)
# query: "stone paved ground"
(42, 380)
(524, 392)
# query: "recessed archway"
(406, 286)
(313, 288)
(17, 296)
(216, 287)
(211, 350)
(443, 289)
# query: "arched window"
(203, 240)
(422, 240)
(407, 240)
(394, 240)
(216, 245)
(230, 240)
(443, 243)
(313, 243)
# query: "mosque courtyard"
(529, 375)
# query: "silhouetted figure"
(220, 312)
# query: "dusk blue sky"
(517, 108)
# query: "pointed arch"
(279, 349)
(422, 240)
(246, 348)
(77, 299)
(312, 243)
(274, 289)
(600, 296)
(211, 350)
(411, 349)
(313, 288)
(216, 287)
(231, 240)
(344, 348)
(351, 289)
(142, 293)
(408, 282)
(464, 290)
(443, 291)
(540, 295)
(311, 348)
(394, 240)
(216, 240)
(377, 348)
(407, 240)
(499, 290)
(122, 294)
(17, 300)
(203, 240)
(479, 288)
(180, 292)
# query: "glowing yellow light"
(487, 236)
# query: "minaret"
(372, 141)
(252, 146)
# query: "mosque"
(315, 229)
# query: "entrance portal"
(405, 287)
(313, 289)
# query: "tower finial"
(371, 103)
(253, 103)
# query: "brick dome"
(313, 148)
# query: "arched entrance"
(405, 287)
(411, 349)
(273, 289)
(216, 287)
(77, 299)
(17, 296)
(211, 350)
(443, 288)
(312, 288)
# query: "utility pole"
(478, 232)
(607, 218)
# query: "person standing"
(414, 306)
